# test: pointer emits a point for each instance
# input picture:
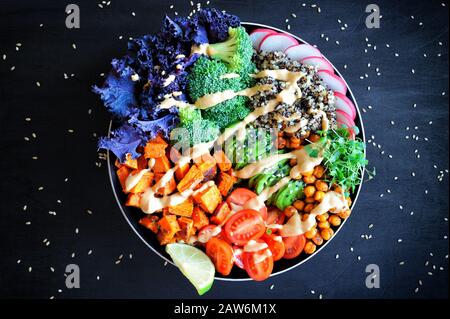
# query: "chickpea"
(318, 240)
(280, 133)
(319, 195)
(314, 138)
(345, 214)
(319, 170)
(290, 211)
(321, 186)
(309, 191)
(305, 217)
(308, 208)
(310, 234)
(299, 205)
(309, 179)
(307, 173)
(322, 217)
(293, 161)
(281, 143)
(334, 220)
(324, 225)
(310, 200)
(310, 248)
(326, 233)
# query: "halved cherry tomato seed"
(244, 226)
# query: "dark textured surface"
(60, 105)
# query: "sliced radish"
(276, 42)
(333, 82)
(318, 62)
(301, 51)
(264, 30)
(342, 119)
(257, 35)
(344, 104)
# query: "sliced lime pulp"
(194, 264)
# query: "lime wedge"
(194, 264)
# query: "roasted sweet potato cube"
(192, 177)
(170, 186)
(225, 182)
(133, 200)
(184, 209)
(168, 227)
(186, 227)
(199, 217)
(117, 163)
(162, 164)
(142, 162)
(155, 148)
(144, 183)
(150, 222)
(130, 162)
(209, 198)
(221, 213)
(222, 161)
(122, 174)
(181, 171)
(205, 163)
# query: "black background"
(60, 105)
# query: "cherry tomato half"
(244, 226)
(240, 196)
(258, 264)
(294, 246)
(276, 245)
(221, 255)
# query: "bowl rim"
(356, 194)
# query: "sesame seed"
(74, 46)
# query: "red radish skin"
(318, 62)
(344, 104)
(343, 118)
(333, 82)
(257, 35)
(276, 42)
(301, 51)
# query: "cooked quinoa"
(315, 96)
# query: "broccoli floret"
(188, 115)
(195, 132)
(228, 112)
(205, 78)
(236, 51)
